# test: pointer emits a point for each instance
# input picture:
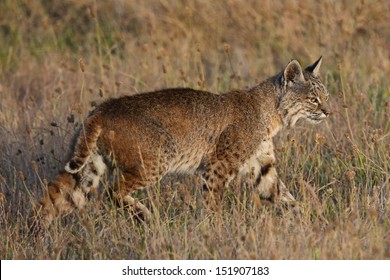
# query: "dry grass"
(340, 170)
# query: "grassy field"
(58, 59)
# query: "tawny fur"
(62, 197)
(182, 130)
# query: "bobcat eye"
(314, 100)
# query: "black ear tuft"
(315, 67)
(293, 72)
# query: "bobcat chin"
(149, 135)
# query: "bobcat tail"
(85, 145)
(62, 197)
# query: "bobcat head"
(303, 94)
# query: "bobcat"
(183, 130)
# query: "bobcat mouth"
(317, 118)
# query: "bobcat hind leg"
(132, 181)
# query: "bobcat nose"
(326, 111)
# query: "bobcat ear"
(315, 67)
(293, 72)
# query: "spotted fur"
(223, 136)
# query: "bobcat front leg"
(217, 177)
(271, 187)
(223, 164)
(284, 194)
